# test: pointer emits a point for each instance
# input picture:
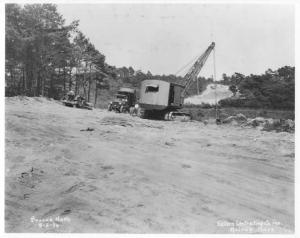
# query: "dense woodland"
(46, 57)
(273, 89)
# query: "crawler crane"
(161, 99)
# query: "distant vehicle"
(70, 100)
(124, 99)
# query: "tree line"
(131, 77)
(273, 89)
(42, 53)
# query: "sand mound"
(212, 91)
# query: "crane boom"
(196, 68)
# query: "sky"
(162, 38)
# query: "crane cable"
(215, 84)
(191, 61)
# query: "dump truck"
(161, 99)
(124, 99)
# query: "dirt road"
(132, 175)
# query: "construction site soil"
(75, 170)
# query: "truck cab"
(124, 99)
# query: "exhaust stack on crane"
(162, 99)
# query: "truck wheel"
(141, 113)
(132, 111)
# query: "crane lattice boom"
(196, 68)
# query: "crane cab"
(160, 95)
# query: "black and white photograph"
(155, 117)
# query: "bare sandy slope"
(212, 94)
(141, 176)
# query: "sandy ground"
(142, 176)
(211, 95)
